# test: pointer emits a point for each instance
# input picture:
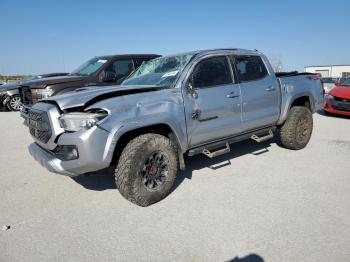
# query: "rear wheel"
(147, 169)
(296, 131)
(15, 103)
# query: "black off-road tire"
(296, 131)
(13, 103)
(129, 174)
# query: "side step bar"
(227, 141)
(263, 138)
(216, 153)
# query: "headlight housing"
(76, 121)
(47, 92)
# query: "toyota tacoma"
(171, 107)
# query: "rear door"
(260, 92)
(215, 111)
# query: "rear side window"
(250, 68)
(212, 72)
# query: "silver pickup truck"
(186, 104)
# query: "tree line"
(14, 77)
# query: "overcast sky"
(50, 36)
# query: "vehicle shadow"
(239, 149)
(98, 181)
(104, 179)
(326, 114)
(249, 258)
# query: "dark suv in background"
(98, 71)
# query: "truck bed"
(294, 84)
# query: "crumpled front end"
(67, 153)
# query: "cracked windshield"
(161, 72)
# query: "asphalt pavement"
(258, 203)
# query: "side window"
(212, 72)
(121, 68)
(250, 68)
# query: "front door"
(214, 112)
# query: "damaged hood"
(44, 82)
(84, 97)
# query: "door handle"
(232, 95)
(270, 88)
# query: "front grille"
(342, 106)
(26, 95)
(30, 96)
(342, 99)
(39, 125)
(36, 94)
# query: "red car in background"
(337, 101)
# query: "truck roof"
(195, 52)
(208, 51)
(128, 55)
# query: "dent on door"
(213, 104)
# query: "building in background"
(329, 70)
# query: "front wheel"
(147, 169)
(296, 131)
(15, 103)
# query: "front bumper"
(49, 161)
(329, 108)
(94, 148)
(93, 151)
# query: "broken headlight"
(76, 121)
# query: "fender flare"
(117, 134)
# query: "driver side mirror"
(337, 83)
(190, 89)
(108, 76)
